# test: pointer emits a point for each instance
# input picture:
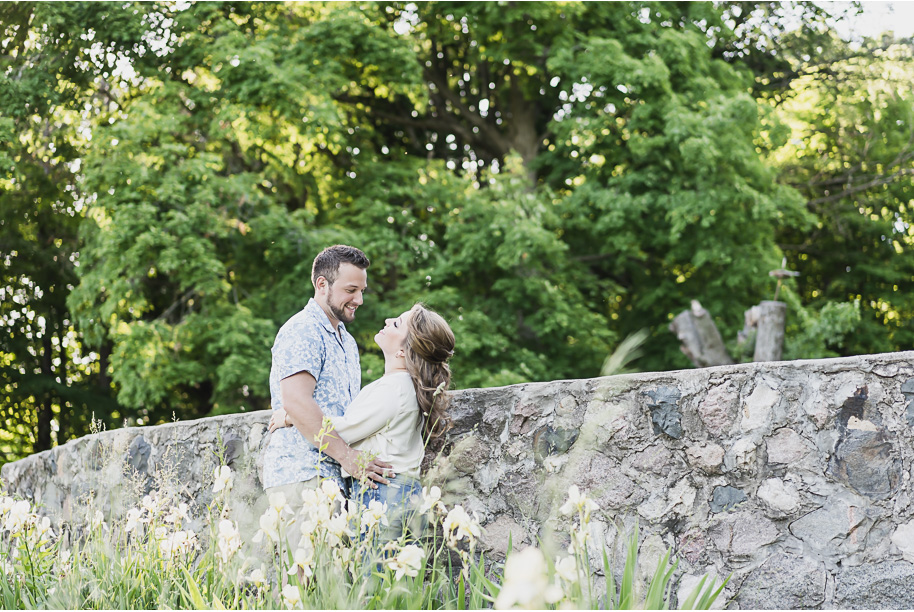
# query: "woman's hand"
(372, 472)
(279, 419)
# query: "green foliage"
(552, 177)
(851, 154)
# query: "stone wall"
(793, 476)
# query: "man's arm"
(297, 393)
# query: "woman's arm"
(369, 413)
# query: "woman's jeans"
(403, 497)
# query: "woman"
(394, 417)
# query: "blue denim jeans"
(403, 497)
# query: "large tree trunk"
(701, 341)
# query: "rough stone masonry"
(793, 476)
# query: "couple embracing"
(377, 441)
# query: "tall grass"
(150, 558)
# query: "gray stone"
(138, 455)
(833, 528)
(875, 586)
(867, 462)
(907, 388)
(726, 498)
(787, 446)
(779, 496)
(784, 582)
(498, 534)
(233, 447)
(718, 409)
(552, 441)
(607, 484)
(743, 535)
(757, 410)
(691, 545)
(468, 454)
(656, 459)
(742, 456)
(706, 457)
(666, 416)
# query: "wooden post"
(701, 340)
(769, 341)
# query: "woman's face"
(392, 337)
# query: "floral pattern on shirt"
(308, 342)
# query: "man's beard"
(341, 314)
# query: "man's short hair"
(327, 263)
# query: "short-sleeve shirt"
(308, 343)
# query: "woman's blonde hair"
(428, 345)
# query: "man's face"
(341, 299)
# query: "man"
(316, 372)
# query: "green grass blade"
(610, 582)
(626, 589)
(194, 592)
(656, 587)
(461, 594)
(689, 603)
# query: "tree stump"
(701, 340)
(769, 340)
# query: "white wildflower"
(177, 514)
(578, 544)
(331, 490)
(431, 500)
(17, 516)
(375, 514)
(566, 569)
(269, 526)
(6, 504)
(337, 528)
(178, 543)
(407, 562)
(97, 521)
(525, 584)
(228, 540)
(291, 596)
(459, 525)
(273, 517)
(43, 532)
(258, 576)
(303, 560)
(224, 479)
(312, 498)
(152, 505)
(578, 502)
(65, 561)
(133, 519)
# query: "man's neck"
(333, 320)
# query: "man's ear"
(321, 284)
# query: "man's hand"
(372, 472)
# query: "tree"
(850, 152)
(553, 177)
(53, 381)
